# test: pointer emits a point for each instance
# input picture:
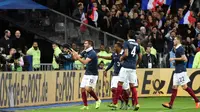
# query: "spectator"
(56, 53)
(172, 55)
(18, 62)
(197, 42)
(142, 51)
(136, 22)
(120, 29)
(190, 51)
(102, 53)
(143, 36)
(103, 20)
(74, 46)
(109, 53)
(19, 42)
(198, 27)
(148, 59)
(6, 42)
(157, 40)
(196, 62)
(153, 50)
(170, 39)
(34, 51)
(78, 12)
(114, 17)
(69, 62)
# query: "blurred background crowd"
(155, 30)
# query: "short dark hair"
(6, 31)
(79, 4)
(147, 47)
(154, 27)
(90, 42)
(55, 44)
(119, 45)
(131, 34)
(35, 42)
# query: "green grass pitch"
(182, 104)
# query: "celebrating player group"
(124, 79)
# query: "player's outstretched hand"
(75, 54)
(105, 73)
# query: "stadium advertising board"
(41, 88)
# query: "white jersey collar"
(89, 49)
(178, 46)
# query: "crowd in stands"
(155, 28)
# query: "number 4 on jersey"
(133, 52)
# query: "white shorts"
(114, 83)
(89, 81)
(129, 75)
(180, 79)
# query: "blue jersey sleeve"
(182, 51)
(110, 65)
(91, 55)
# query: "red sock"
(84, 98)
(134, 95)
(114, 90)
(93, 95)
(173, 96)
(118, 93)
(125, 96)
(190, 91)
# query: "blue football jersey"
(133, 50)
(116, 63)
(92, 66)
(179, 65)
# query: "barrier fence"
(41, 88)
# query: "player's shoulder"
(180, 48)
(132, 42)
(92, 52)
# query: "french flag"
(166, 2)
(169, 10)
(187, 19)
(149, 4)
(94, 15)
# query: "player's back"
(133, 50)
(179, 65)
(117, 64)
